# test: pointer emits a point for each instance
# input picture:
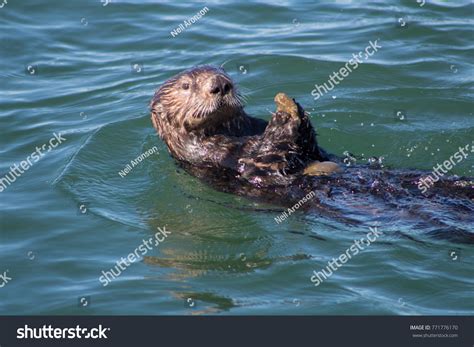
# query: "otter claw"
(287, 105)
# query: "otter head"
(200, 99)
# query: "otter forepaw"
(287, 105)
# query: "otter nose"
(220, 85)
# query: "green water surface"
(88, 69)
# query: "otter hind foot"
(324, 168)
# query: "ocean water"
(88, 69)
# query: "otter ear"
(157, 108)
(157, 113)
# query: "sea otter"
(200, 116)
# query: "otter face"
(198, 99)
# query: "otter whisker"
(243, 98)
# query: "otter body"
(199, 115)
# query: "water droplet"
(372, 160)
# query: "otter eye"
(185, 85)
